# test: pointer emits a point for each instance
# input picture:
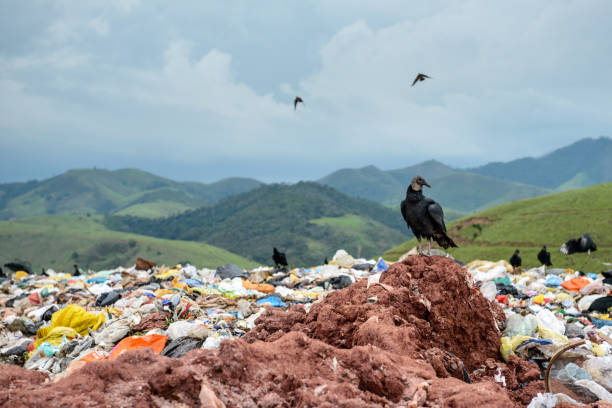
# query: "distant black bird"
(2, 275)
(325, 261)
(296, 101)
(515, 260)
(17, 267)
(279, 258)
(77, 272)
(424, 216)
(581, 244)
(544, 257)
(419, 77)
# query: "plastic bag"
(600, 369)
(523, 325)
(489, 290)
(155, 342)
(575, 284)
(187, 329)
(75, 317)
(508, 345)
(547, 320)
(179, 347)
(272, 301)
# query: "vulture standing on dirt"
(515, 260)
(419, 77)
(296, 101)
(581, 244)
(544, 257)
(424, 216)
(279, 258)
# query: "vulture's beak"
(425, 184)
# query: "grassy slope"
(51, 240)
(154, 209)
(530, 223)
(252, 223)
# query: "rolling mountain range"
(125, 191)
(584, 163)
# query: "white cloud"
(99, 25)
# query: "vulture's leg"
(589, 252)
(428, 246)
(419, 248)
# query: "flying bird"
(296, 101)
(419, 77)
(424, 216)
(582, 244)
(279, 258)
(515, 260)
(544, 257)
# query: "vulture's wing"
(435, 212)
(415, 80)
(425, 76)
(403, 208)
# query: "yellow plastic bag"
(552, 335)
(508, 345)
(75, 317)
(20, 275)
(55, 335)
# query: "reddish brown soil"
(406, 350)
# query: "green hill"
(458, 191)
(307, 220)
(59, 241)
(528, 224)
(584, 163)
(127, 191)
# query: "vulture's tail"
(444, 240)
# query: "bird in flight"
(296, 101)
(419, 77)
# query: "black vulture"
(296, 101)
(325, 261)
(17, 267)
(77, 272)
(581, 244)
(2, 275)
(424, 216)
(544, 257)
(279, 258)
(515, 260)
(419, 77)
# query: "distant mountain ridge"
(104, 192)
(307, 220)
(584, 163)
(581, 164)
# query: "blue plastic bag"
(553, 281)
(272, 301)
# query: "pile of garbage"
(555, 313)
(425, 331)
(418, 334)
(56, 322)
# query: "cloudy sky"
(201, 89)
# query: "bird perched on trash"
(296, 101)
(325, 261)
(582, 244)
(2, 275)
(77, 271)
(17, 267)
(419, 78)
(544, 257)
(515, 260)
(279, 258)
(424, 216)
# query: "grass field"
(59, 241)
(528, 224)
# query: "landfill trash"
(58, 323)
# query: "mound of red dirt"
(398, 343)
